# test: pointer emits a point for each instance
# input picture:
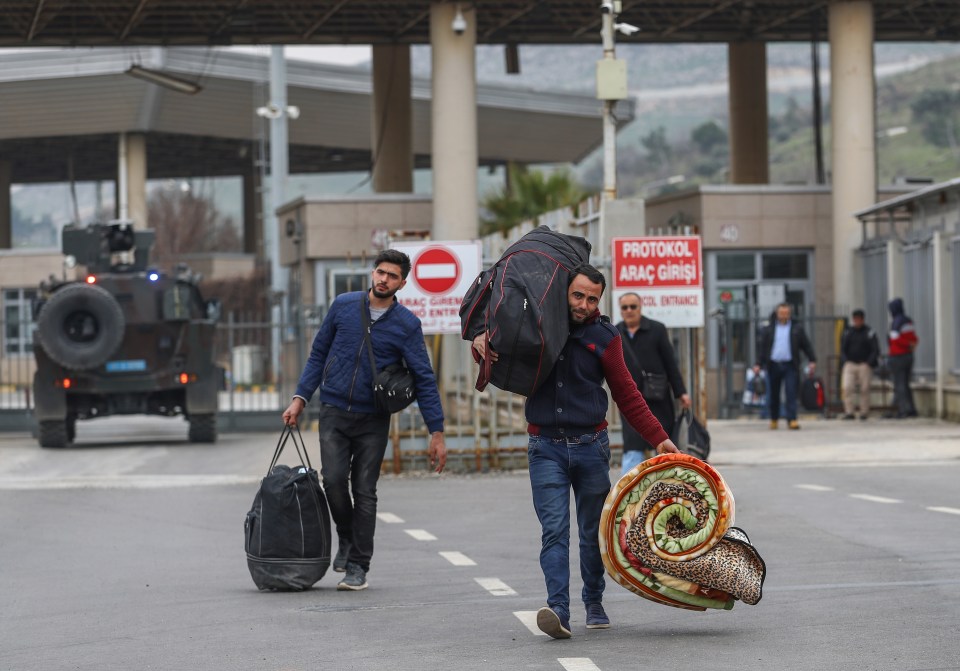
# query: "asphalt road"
(127, 553)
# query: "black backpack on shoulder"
(287, 531)
(521, 301)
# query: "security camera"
(626, 29)
(606, 8)
(459, 24)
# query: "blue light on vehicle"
(153, 276)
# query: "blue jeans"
(352, 446)
(556, 465)
(783, 372)
(631, 459)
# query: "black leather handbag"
(393, 387)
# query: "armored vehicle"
(122, 339)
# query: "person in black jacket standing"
(648, 354)
(780, 346)
(860, 354)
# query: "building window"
(780, 266)
(344, 280)
(736, 267)
(18, 321)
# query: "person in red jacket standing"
(902, 341)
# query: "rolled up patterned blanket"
(666, 534)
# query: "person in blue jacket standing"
(353, 435)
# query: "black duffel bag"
(690, 436)
(287, 531)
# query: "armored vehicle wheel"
(203, 429)
(80, 326)
(53, 433)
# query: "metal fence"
(741, 323)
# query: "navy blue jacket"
(339, 364)
(572, 400)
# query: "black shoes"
(597, 617)
(355, 580)
(552, 624)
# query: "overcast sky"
(340, 55)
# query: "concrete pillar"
(454, 153)
(943, 290)
(132, 178)
(392, 119)
(6, 210)
(454, 120)
(747, 71)
(853, 131)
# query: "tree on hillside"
(187, 223)
(936, 111)
(709, 136)
(657, 146)
(530, 193)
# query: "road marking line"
(941, 509)
(458, 559)
(577, 664)
(389, 518)
(529, 620)
(815, 488)
(123, 481)
(875, 499)
(495, 586)
(421, 534)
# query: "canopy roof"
(63, 110)
(201, 22)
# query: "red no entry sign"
(436, 270)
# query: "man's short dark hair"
(859, 313)
(397, 258)
(590, 273)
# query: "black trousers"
(352, 446)
(665, 413)
(901, 368)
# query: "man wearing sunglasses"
(653, 366)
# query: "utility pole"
(277, 112)
(611, 87)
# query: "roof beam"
(36, 20)
(523, 11)
(905, 7)
(696, 18)
(796, 14)
(133, 20)
(412, 22)
(323, 19)
(228, 16)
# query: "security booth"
(911, 249)
(762, 245)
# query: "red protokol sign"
(657, 262)
(436, 270)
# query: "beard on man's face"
(381, 291)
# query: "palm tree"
(529, 194)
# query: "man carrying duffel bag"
(353, 428)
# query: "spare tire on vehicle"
(80, 326)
